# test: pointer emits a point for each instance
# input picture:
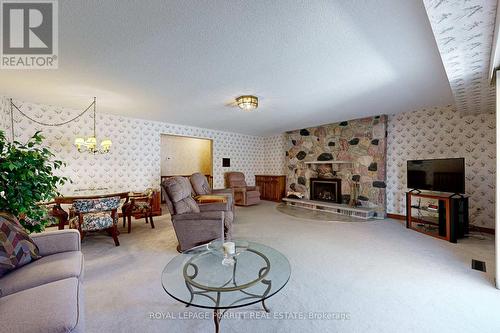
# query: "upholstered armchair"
(200, 186)
(243, 195)
(140, 203)
(95, 215)
(193, 224)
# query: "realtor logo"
(29, 34)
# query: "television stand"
(444, 216)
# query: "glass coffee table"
(198, 277)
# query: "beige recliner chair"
(194, 224)
(244, 195)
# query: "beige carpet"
(375, 276)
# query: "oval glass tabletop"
(198, 277)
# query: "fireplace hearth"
(326, 189)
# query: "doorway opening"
(183, 156)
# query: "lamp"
(247, 102)
(90, 144)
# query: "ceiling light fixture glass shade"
(79, 142)
(90, 144)
(247, 102)
(106, 145)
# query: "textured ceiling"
(464, 33)
(310, 62)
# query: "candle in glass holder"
(229, 248)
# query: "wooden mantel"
(329, 162)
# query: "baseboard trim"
(482, 229)
(396, 216)
(471, 228)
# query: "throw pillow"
(16, 246)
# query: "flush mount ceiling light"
(247, 102)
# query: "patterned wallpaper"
(464, 32)
(438, 133)
(134, 161)
(4, 115)
(361, 141)
(274, 158)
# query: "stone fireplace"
(353, 150)
(326, 189)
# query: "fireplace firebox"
(326, 189)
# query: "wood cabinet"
(438, 215)
(156, 203)
(272, 187)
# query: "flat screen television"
(440, 175)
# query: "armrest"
(52, 242)
(223, 191)
(228, 192)
(215, 206)
(253, 188)
(208, 215)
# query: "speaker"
(442, 218)
(460, 215)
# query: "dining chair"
(95, 215)
(140, 203)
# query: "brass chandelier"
(89, 144)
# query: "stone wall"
(360, 141)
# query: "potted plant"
(27, 179)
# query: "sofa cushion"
(16, 247)
(53, 307)
(45, 270)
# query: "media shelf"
(448, 221)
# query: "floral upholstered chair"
(95, 215)
(140, 203)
